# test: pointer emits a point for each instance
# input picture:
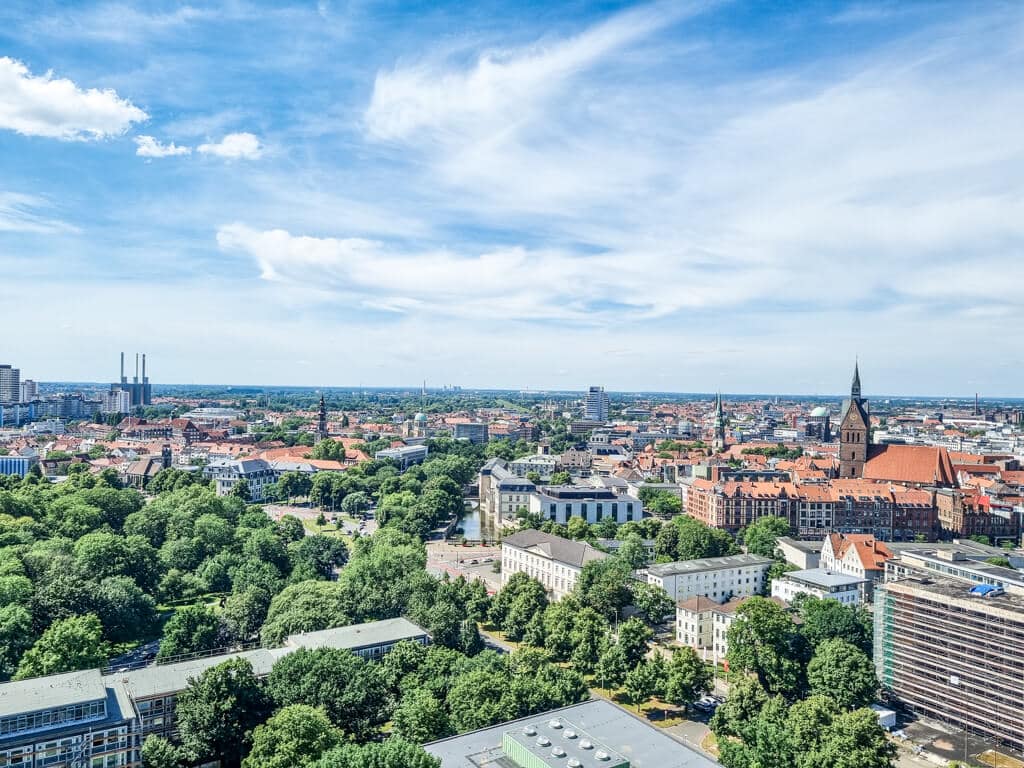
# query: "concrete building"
(596, 405)
(475, 432)
(226, 473)
(555, 562)
(848, 590)
(139, 390)
(954, 564)
(802, 554)
(952, 652)
(717, 578)
(89, 719)
(28, 391)
(116, 401)
(703, 624)
(562, 502)
(10, 388)
(594, 734)
(860, 555)
(405, 456)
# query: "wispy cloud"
(44, 105)
(147, 146)
(23, 213)
(118, 22)
(234, 146)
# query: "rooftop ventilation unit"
(556, 724)
(558, 752)
(574, 763)
(530, 730)
(543, 741)
(601, 755)
(570, 734)
(586, 744)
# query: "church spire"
(855, 387)
(321, 424)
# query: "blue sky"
(665, 196)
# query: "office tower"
(595, 407)
(29, 391)
(10, 389)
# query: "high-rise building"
(950, 650)
(10, 389)
(116, 401)
(29, 391)
(595, 407)
(854, 432)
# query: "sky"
(667, 196)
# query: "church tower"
(321, 424)
(854, 431)
(718, 442)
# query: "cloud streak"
(234, 146)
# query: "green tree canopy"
(844, 672)
(296, 736)
(70, 644)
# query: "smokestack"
(143, 367)
(122, 368)
(136, 380)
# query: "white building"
(848, 590)
(595, 407)
(116, 401)
(29, 390)
(562, 502)
(405, 456)
(717, 578)
(555, 562)
(256, 472)
(502, 494)
(10, 389)
(802, 554)
(543, 464)
(703, 624)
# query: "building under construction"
(954, 652)
(139, 390)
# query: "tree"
(852, 740)
(825, 619)
(652, 602)
(241, 490)
(697, 540)
(307, 607)
(421, 717)
(632, 552)
(516, 604)
(295, 736)
(744, 703)
(355, 503)
(1002, 562)
(70, 644)
(348, 688)
(844, 672)
(633, 637)
(688, 677)
(612, 666)
(217, 712)
(578, 528)
(393, 753)
(641, 683)
(245, 612)
(158, 752)
(191, 629)
(763, 639)
(15, 637)
(561, 478)
(126, 612)
(760, 536)
(604, 585)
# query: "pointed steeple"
(321, 426)
(855, 387)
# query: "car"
(473, 561)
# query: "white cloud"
(57, 108)
(117, 22)
(234, 146)
(147, 146)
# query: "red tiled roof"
(921, 464)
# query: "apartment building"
(226, 473)
(563, 502)
(89, 719)
(951, 651)
(473, 431)
(555, 562)
(703, 624)
(856, 554)
(405, 456)
(544, 465)
(821, 583)
(717, 578)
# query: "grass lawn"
(710, 744)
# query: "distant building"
(474, 432)
(594, 733)
(10, 388)
(717, 578)
(553, 561)
(226, 473)
(139, 390)
(563, 502)
(17, 465)
(854, 432)
(848, 590)
(802, 554)
(951, 651)
(544, 465)
(703, 624)
(596, 405)
(954, 564)
(116, 401)
(502, 493)
(29, 391)
(718, 438)
(860, 555)
(405, 456)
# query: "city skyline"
(660, 196)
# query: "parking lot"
(471, 562)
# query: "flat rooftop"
(952, 592)
(618, 731)
(707, 564)
(819, 577)
(358, 635)
(803, 546)
(35, 694)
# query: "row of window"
(52, 717)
